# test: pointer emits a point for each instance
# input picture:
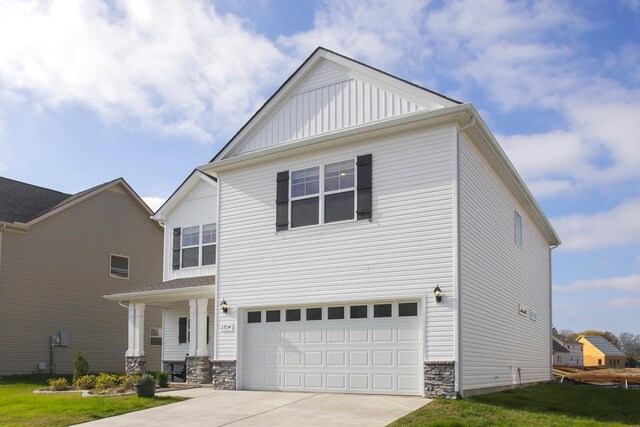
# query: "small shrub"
(162, 378)
(80, 366)
(58, 384)
(147, 379)
(105, 381)
(85, 382)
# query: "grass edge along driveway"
(550, 404)
(19, 406)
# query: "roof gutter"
(19, 227)
(418, 118)
(127, 296)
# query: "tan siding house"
(55, 267)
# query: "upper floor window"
(338, 191)
(119, 266)
(518, 229)
(194, 246)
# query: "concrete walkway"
(209, 407)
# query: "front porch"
(187, 328)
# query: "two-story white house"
(359, 234)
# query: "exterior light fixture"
(224, 306)
(438, 293)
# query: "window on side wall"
(518, 229)
(190, 247)
(119, 266)
(155, 336)
(197, 246)
(208, 244)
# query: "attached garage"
(352, 348)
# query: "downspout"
(552, 247)
(458, 267)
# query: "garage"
(373, 348)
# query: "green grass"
(19, 406)
(549, 404)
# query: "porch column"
(134, 358)
(198, 365)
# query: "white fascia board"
(164, 294)
(393, 124)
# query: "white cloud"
(618, 226)
(154, 202)
(623, 283)
(381, 33)
(625, 302)
(176, 67)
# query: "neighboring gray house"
(360, 234)
(59, 253)
(560, 354)
(573, 355)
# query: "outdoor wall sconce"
(438, 293)
(224, 306)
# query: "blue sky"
(147, 90)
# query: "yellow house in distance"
(598, 351)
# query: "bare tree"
(629, 344)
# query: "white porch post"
(131, 330)
(139, 330)
(201, 340)
(193, 326)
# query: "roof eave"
(137, 296)
(180, 192)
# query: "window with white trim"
(119, 266)
(323, 194)
(155, 336)
(196, 251)
(518, 228)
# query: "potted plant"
(146, 386)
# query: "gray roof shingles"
(605, 346)
(21, 202)
(189, 282)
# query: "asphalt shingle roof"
(21, 202)
(558, 348)
(605, 346)
(189, 282)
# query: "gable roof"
(564, 340)
(603, 345)
(20, 202)
(181, 192)
(26, 204)
(558, 348)
(326, 56)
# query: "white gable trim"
(355, 70)
(195, 178)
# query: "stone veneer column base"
(198, 370)
(439, 379)
(134, 365)
(224, 374)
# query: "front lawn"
(20, 407)
(549, 404)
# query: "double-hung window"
(194, 246)
(322, 194)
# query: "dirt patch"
(594, 375)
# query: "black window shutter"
(176, 249)
(182, 330)
(364, 186)
(282, 201)
(207, 329)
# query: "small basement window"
(155, 336)
(119, 266)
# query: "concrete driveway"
(209, 407)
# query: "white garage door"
(360, 348)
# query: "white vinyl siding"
(171, 349)
(198, 208)
(341, 102)
(403, 253)
(497, 277)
